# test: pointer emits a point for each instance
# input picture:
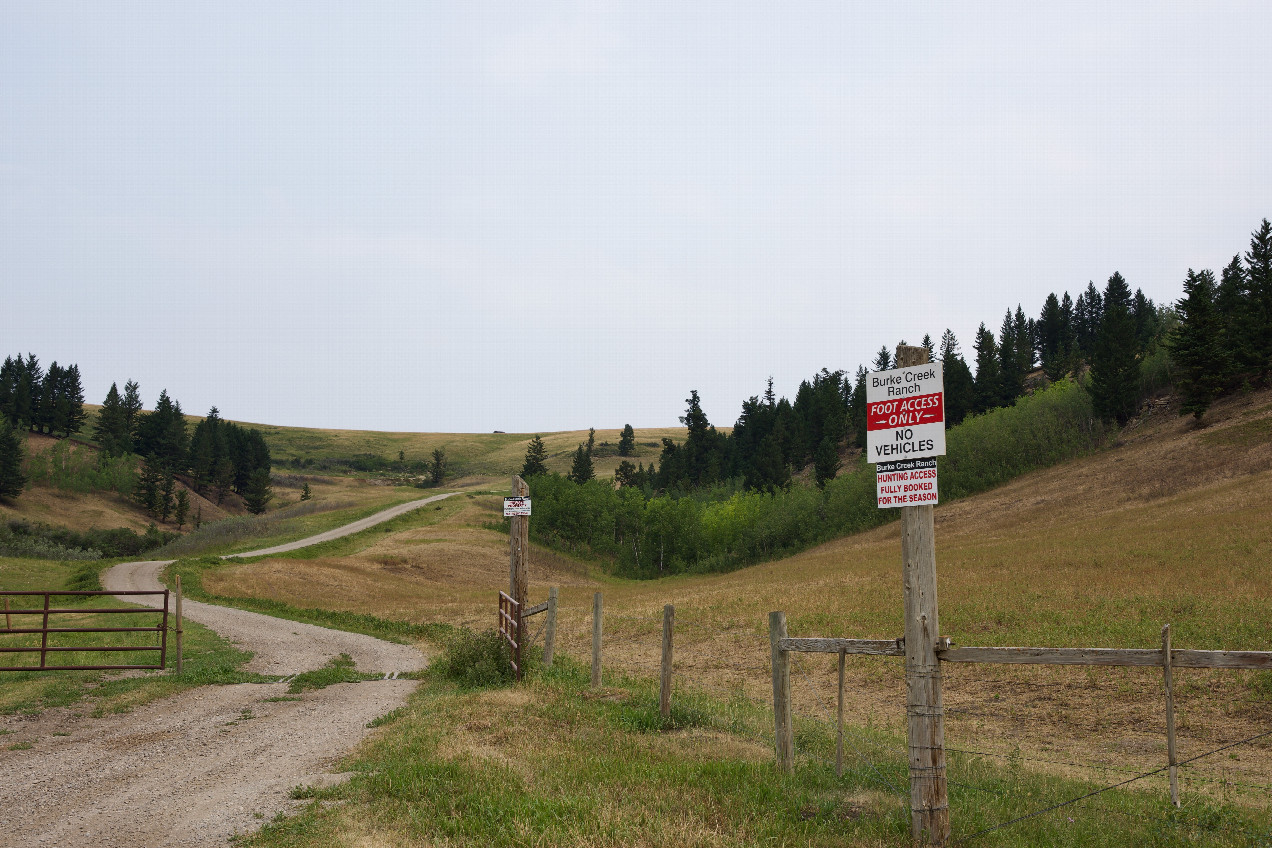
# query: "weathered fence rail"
(46, 611)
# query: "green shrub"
(475, 660)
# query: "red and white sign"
(516, 506)
(906, 482)
(905, 413)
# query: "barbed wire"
(1101, 791)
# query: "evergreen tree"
(591, 440)
(257, 494)
(69, 412)
(1011, 377)
(857, 408)
(960, 388)
(1258, 272)
(223, 479)
(149, 485)
(825, 462)
(12, 481)
(926, 344)
(627, 441)
(306, 493)
(167, 489)
(581, 469)
(132, 410)
(988, 383)
(438, 470)
(883, 360)
(27, 400)
(1237, 326)
(111, 431)
(1114, 365)
(1194, 346)
(8, 384)
(46, 409)
(536, 459)
(162, 433)
(626, 475)
(208, 446)
(182, 511)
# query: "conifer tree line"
(1218, 336)
(219, 457)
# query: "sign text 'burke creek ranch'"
(905, 413)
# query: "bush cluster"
(724, 528)
(475, 660)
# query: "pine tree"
(182, 511)
(111, 430)
(149, 484)
(306, 493)
(960, 388)
(166, 500)
(1258, 272)
(257, 494)
(926, 344)
(1114, 365)
(1236, 326)
(988, 383)
(825, 462)
(883, 360)
(438, 469)
(625, 474)
(591, 440)
(68, 411)
(132, 410)
(857, 408)
(46, 410)
(1011, 378)
(12, 481)
(1194, 346)
(536, 459)
(627, 441)
(581, 470)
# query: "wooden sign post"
(924, 707)
(519, 558)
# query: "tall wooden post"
(664, 691)
(519, 559)
(549, 634)
(1171, 754)
(783, 730)
(925, 726)
(596, 639)
(180, 626)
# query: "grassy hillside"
(473, 457)
(1168, 525)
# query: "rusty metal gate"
(510, 628)
(47, 610)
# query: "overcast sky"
(531, 216)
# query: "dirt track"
(215, 761)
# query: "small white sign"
(905, 413)
(516, 506)
(906, 482)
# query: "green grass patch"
(402, 632)
(554, 762)
(339, 669)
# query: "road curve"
(197, 768)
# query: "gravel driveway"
(200, 767)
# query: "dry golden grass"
(483, 457)
(1172, 525)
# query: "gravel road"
(195, 769)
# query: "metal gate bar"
(47, 609)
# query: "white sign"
(905, 413)
(516, 506)
(906, 482)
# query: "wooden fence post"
(664, 693)
(839, 721)
(180, 628)
(549, 635)
(783, 732)
(8, 621)
(519, 556)
(929, 798)
(1173, 759)
(596, 640)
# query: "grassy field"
(476, 457)
(1170, 525)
